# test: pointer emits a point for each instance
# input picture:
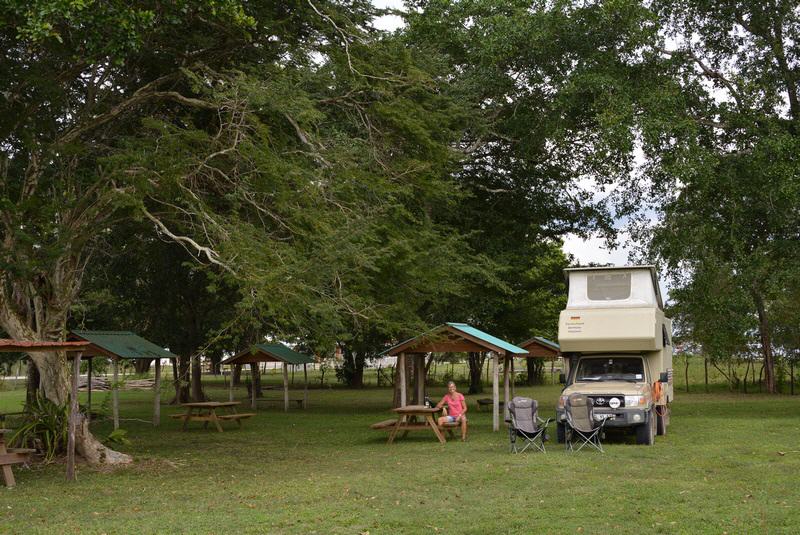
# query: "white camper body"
(613, 323)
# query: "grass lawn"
(324, 471)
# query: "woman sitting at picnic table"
(456, 411)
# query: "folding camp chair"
(526, 425)
(581, 426)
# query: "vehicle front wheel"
(561, 433)
(662, 420)
(646, 433)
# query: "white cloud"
(388, 23)
(594, 250)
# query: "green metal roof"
(465, 329)
(543, 341)
(123, 344)
(477, 333)
(277, 351)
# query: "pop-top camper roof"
(613, 287)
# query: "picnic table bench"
(206, 412)
(9, 456)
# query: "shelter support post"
(115, 394)
(157, 395)
(230, 385)
(253, 388)
(285, 387)
(401, 362)
(513, 380)
(419, 377)
(495, 391)
(73, 418)
(89, 390)
(305, 386)
(506, 361)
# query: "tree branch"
(188, 243)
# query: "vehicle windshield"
(610, 369)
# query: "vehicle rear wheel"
(561, 433)
(646, 433)
(662, 420)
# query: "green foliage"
(118, 436)
(44, 428)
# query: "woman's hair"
(451, 383)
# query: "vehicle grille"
(602, 401)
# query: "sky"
(583, 250)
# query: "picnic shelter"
(457, 338)
(117, 346)
(274, 352)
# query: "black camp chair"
(581, 427)
(525, 424)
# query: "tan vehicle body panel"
(619, 330)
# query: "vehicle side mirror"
(664, 377)
(562, 378)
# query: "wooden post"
(89, 389)
(506, 360)
(513, 379)
(230, 384)
(115, 394)
(157, 395)
(285, 387)
(73, 418)
(305, 386)
(419, 375)
(401, 361)
(495, 391)
(252, 389)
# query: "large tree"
(260, 137)
(721, 140)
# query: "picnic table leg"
(400, 422)
(432, 423)
(187, 417)
(238, 420)
(8, 475)
(213, 416)
(412, 420)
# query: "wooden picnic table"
(11, 456)
(206, 411)
(414, 418)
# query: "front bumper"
(622, 417)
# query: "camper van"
(617, 346)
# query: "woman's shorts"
(452, 419)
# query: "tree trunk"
(236, 376)
(766, 342)
(197, 379)
(32, 383)
(686, 373)
(475, 361)
(182, 381)
(535, 367)
(142, 366)
(50, 321)
(255, 373)
(705, 366)
(216, 363)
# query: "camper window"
(608, 286)
(610, 369)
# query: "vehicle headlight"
(635, 401)
(562, 401)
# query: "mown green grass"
(324, 471)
